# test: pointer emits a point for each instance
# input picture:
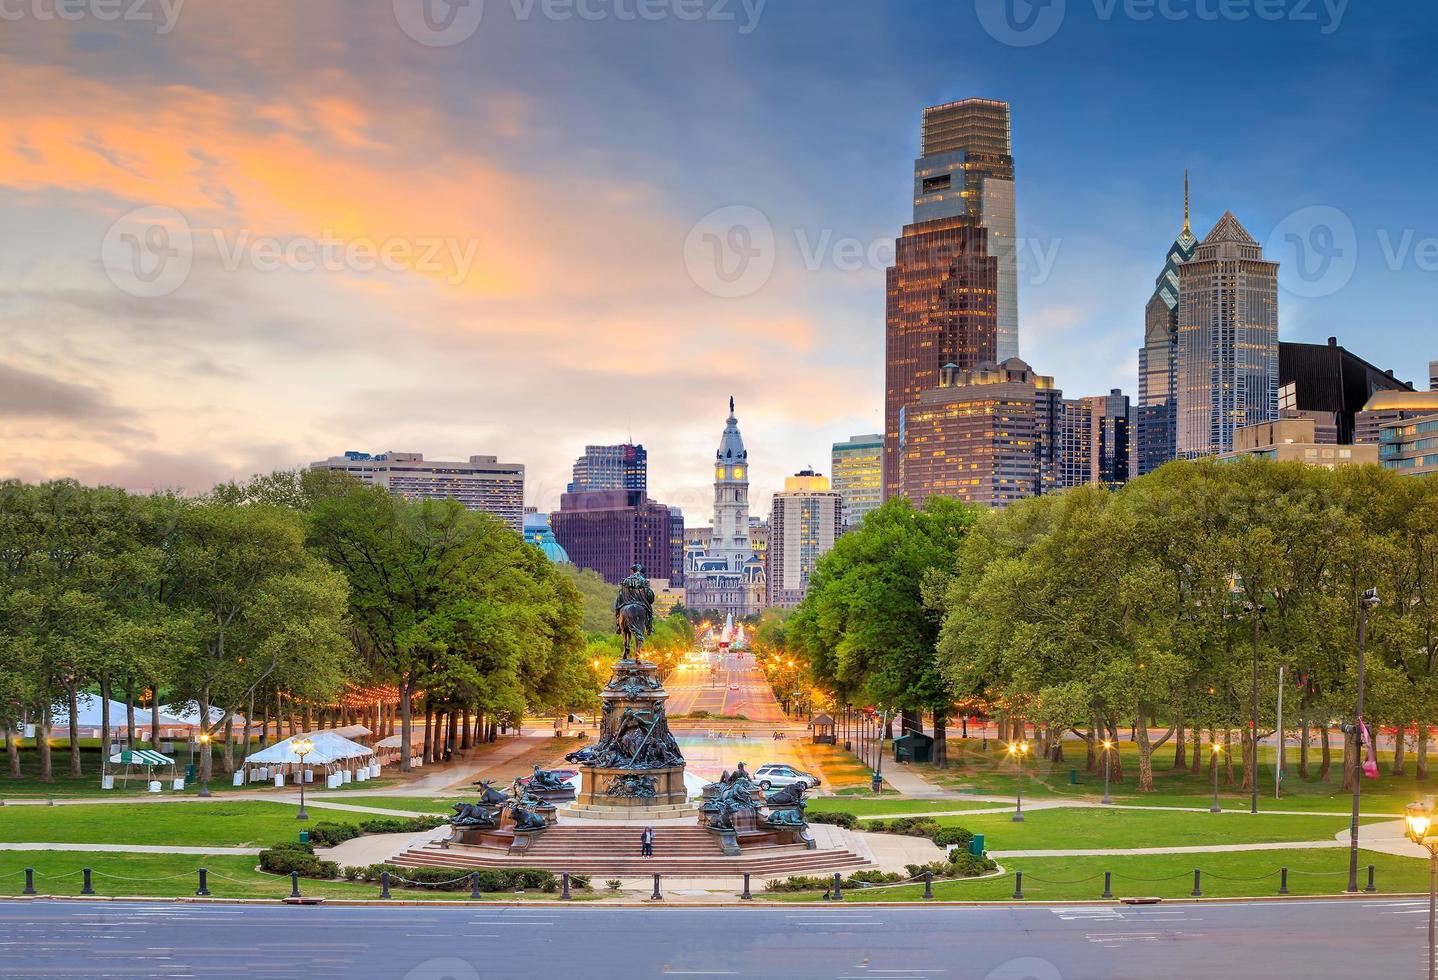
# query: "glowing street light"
(1419, 817)
(1017, 751)
(204, 763)
(1217, 750)
(1107, 748)
(302, 747)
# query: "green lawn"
(242, 823)
(1079, 828)
(1241, 875)
(414, 804)
(165, 875)
(889, 806)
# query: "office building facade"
(857, 473)
(1387, 408)
(1411, 446)
(481, 483)
(987, 436)
(1156, 416)
(806, 519)
(1295, 440)
(1096, 445)
(610, 530)
(621, 467)
(1330, 380)
(1227, 362)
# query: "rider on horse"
(634, 610)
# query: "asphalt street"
(1312, 940)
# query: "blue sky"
(563, 168)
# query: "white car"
(774, 775)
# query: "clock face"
(718, 472)
(738, 472)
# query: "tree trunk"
(1305, 737)
(1145, 756)
(230, 743)
(1420, 764)
(12, 751)
(1091, 760)
(1180, 748)
(73, 692)
(1400, 764)
(1195, 761)
(911, 720)
(406, 713)
(1250, 758)
(1325, 764)
(130, 715)
(204, 726)
(466, 728)
(1352, 752)
(249, 723)
(155, 715)
(1228, 757)
(42, 743)
(104, 718)
(941, 738)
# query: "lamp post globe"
(1216, 751)
(1107, 749)
(1017, 750)
(302, 747)
(204, 763)
(1420, 830)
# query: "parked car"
(774, 774)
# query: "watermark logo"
(1317, 247)
(439, 23)
(443, 968)
(730, 251)
(148, 252)
(164, 14)
(1025, 968)
(1020, 23)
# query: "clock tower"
(730, 537)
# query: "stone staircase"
(690, 852)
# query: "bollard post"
(1107, 884)
(656, 897)
(564, 885)
(837, 894)
(87, 889)
(1371, 887)
(384, 884)
(1283, 881)
(746, 896)
(294, 884)
(928, 884)
(204, 888)
(1018, 886)
(29, 882)
(474, 884)
(1197, 875)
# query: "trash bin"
(304, 837)
(1073, 777)
(976, 846)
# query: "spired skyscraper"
(1227, 363)
(1158, 358)
(728, 576)
(952, 292)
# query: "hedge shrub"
(838, 818)
(289, 856)
(490, 879)
(953, 837)
(327, 833)
(401, 825)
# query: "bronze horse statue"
(634, 612)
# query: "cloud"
(29, 395)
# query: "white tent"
(341, 759)
(91, 715)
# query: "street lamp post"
(302, 748)
(1017, 750)
(1216, 750)
(876, 783)
(1255, 611)
(1367, 601)
(204, 763)
(1107, 748)
(1419, 817)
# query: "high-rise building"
(1156, 413)
(610, 530)
(482, 483)
(1331, 381)
(1096, 440)
(806, 520)
(1410, 446)
(621, 467)
(1227, 366)
(727, 576)
(987, 436)
(952, 292)
(1295, 439)
(967, 167)
(857, 466)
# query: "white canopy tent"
(341, 760)
(90, 719)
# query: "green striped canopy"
(142, 757)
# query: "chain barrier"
(183, 874)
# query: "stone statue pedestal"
(635, 765)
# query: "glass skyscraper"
(1227, 365)
(858, 474)
(1157, 417)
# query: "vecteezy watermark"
(1025, 968)
(732, 252)
(150, 251)
(1025, 23)
(1318, 249)
(444, 23)
(162, 13)
(443, 968)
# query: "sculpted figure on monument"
(634, 612)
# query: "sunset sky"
(535, 188)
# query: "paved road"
(1312, 940)
(737, 688)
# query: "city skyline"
(242, 370)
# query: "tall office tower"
(806, 521)
(1154, 442)
(986, 436)
(1329, 383)
(621, 467)
(676, 548)
(967, 167)
(1227, 366)
(482, 483)
(1096, 440)
(727, 576)
(952, 292)
(610, 530)
(857, 468)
